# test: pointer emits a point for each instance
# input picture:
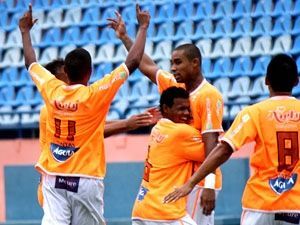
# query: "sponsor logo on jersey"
(293, 218)
(61, 153)
(281, 184)
(67, 183)
(281, 115)
(68, 106)
(142, 193)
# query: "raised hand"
(139, 120)
(143, 17)
(26, 22)
(118, 25)
(156, 114)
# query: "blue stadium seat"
(183, 11)
(262, 46)
(120, 53)
(282, 44)
(107, 35)
(105, 53)
(242, 9)
(7, 117)
(243, 27)
(40, 16)
(25, 95)
(70, 36)
(48, 55)
(203, 29)
(165, 12)
(26, 118)
(12, 57)
(2, 40)
(24, 78)
(205, 47)
(296, 10)
(223, 9)
(282, 7)
(296, 46)
(240, 87)
(296, 90)
(242, 66)
(113, 114)
(282, 25)
(65, 50)
(36, 36)
(121, 98)
(53, 18)
(242, 46)
(262, 26)
(164, 64)
(221, 68)
(259, 88)
(138, 93)
(162, 50)
(222, 48)
(16, 6)
(203, 10)
(223, 84)
(165, 31)
(128, 14)
(90, 16)
(206, 67)
(103, 68)
(9, 76)
(72, 16)
(90, 35)
(148, 6)
(296, 26)
(7, 95)
(52, 37)
(184, 30)
(241, 103)
(262, 8)
(260, 66)
(9, 23)
(223, 28)
(153, 95)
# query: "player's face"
(181, 67)
(180, 112)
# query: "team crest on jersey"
(142, 193)
(61, 153)
(281, 184)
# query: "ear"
(165, 109)
(267, 82)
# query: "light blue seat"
(162, 50)
(259, 88)
(223, 84)
(282, 25)
(103, 68)
(10, 22)
(139, 92)
(72, 16)
(242, 9)
(165, 31)
(223, 9)
(54, 18)
(260, 66)
(7, 95)
(105, 53)
(296, 9)
(262, 46)
(90, 16)
(242, 27)
(24, 78)
(223, 28)
(240, 87)
(164, 64)
(263, 26)
(13, 39)
(90, 35)
(16, 6)
(242, 66)
(25, 95)
(221, 68)
(296, 26)
(153, 95)
(70, 36)
(121, 98)
(205, 47)
(183, 11)
(206, 67)
(184, 30)
(296, 46)
(113, 114)
(7, 116)
(8, 76)
(241, 102)
(165, 12)
(262, 8)
(52, 37)
(282, 44)
(282, 7)
(107, 13)
(203, 29)
(241, 47)
(148, 6)
(222, 48)
(12, 57)
(48, 54)
(128, 14)
(204, 10)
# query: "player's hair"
(55, 65)
(78, 63)
(167, 97)
(191, 51)
(282, 73)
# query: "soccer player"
(73, 161)
(173, 146)
(206, 105)
(272, 191)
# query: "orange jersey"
(42, 126)
(274, 124)
(172, 148)
(75, 122)
(206, 106)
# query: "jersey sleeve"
(165, 80)
(241, 131)
(106, 88)
(211, 112)
(42, 126)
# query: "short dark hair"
(55, 65)
(191, 51)
(167, 97)
(78, 63)
(282, 73)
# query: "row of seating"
(162, 10)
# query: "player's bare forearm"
(217, 157)
(210, 140)
(114, 127)
(29, 54)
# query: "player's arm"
(147, 65)
(132, 123)
(220, 154)
(26, 22)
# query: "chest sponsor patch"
(293, 218)
(281, 184)
(67, 183)
(61, 153)
(142, 193)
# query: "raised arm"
(25, 24)
(147, 66)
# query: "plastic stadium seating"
(259, 87)
(260, 66)
(221, 68)
(296, 46)
(242, 27)
(206, 67)
(120, 54)
(7, 116)
(14, 39)
(262, 26)
(9, 22)
(242, 46)
(183, 11)
(205, 47)
(65, 50)
(282, 44)
(7, 95)
(223, 10)
(54, 18)
(242, 9)
(90, 16)
(105, 53)
(52, 37)
(138, 94)
(12, 57)
(184, 30)
(72, 16)
(222, 48)
(240, 87)
(262, 46)
(128, 14)
(296, 9)
(48, 55)
(162, 50)
(164, 12)
(203, 10)
(223, 84)
(242, 66)
(164, 64)
(241, 103)
(262, 8)
(165, 31)
(296, 26)
(282, 7)
(2, 39)
(70, 36)
(223, 28)
(282, 25)
(90, 35)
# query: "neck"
(273, 94)
(80, 82)
(192, 84)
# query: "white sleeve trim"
(212, 131)
(31, 65)
(126, 69)
(156, 77)
(229, 142)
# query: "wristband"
(209, 181)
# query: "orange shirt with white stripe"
(206, 106)
(172, 149)
(75, 122)
(274, 124)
